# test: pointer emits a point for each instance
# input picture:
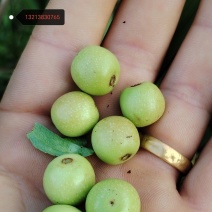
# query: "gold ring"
(166, 153)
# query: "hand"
(139, 36)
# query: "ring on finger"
(166, 153)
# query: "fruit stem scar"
(67, 160)
(112, 81)
(125, 157)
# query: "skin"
(140, 45)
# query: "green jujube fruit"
(68, 179)
(95, 70)
(61, 208)
(74, 113)
(115, 139)
(113, 195)
(143, 104)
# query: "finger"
(156, 189)
(42, 73)
(139, 36)
(197, 187)
(187, 89)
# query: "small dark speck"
(112, 202)
(124, 22)
(129, 136)
(111, 93)
(128, 172)
(108, 106)
(135, 85)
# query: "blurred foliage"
(13, 36)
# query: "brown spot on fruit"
(112, 81)
(67, 160)
(125, 157)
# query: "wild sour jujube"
(115, 139)
(143, 104)
(74, 113)
(68, 179)
(61, 208)
(95, 70)
(113, 195)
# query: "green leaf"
(48, 142)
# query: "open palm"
(139, 36)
